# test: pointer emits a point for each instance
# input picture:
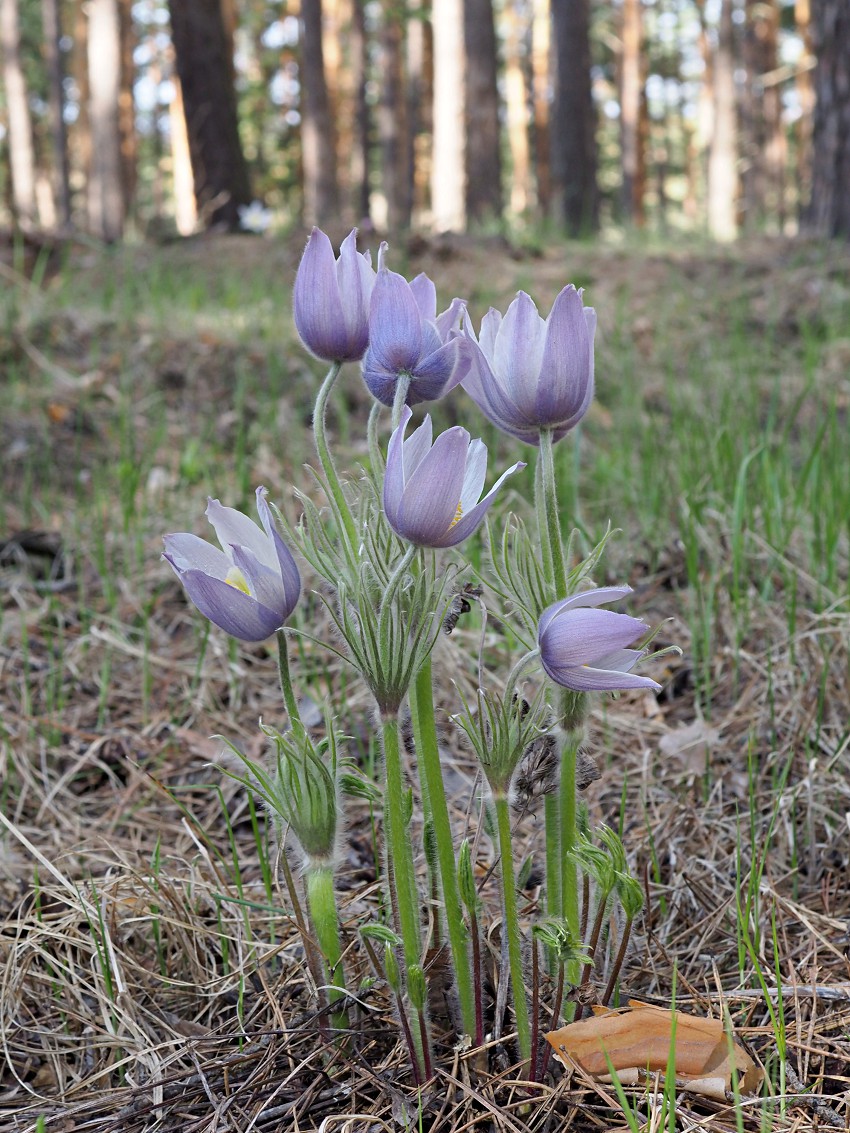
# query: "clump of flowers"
(387, 549)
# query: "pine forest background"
(717, 116)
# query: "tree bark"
(447, 170)
(541, 45)
(631, 97)
(359, 78)
(182, 181)
(806, 97)
(21, 149)
(105, 190)
(127, 106)
(205, 69)
(829, 210)
(318, 147)
(481, 100)
(392, 121)
(722, 153)
(575, 193)
(56, 111)
(516, 99)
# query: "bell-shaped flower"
(332, 296)
(584, 649)
(250, 587)
(408, 337)
(432, 490)
(527, 373)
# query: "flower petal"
(467, 524)
(432, 493)
(232, 526)
(425, 294)
(188, 552)
(566, 362)
(289, 575)
(518, 354)
(395, 325)
(418, 444)
(317, 306)
(236, 613)
(583, 678)
(394, 471)
(356, 280)
(581, 636)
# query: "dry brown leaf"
(638, 1037)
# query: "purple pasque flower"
(250, 587)
(527, 373)
(583, 648)
(331, 299)
(432, 490)
(408, 337)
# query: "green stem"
(375, 455)
(321, 901)
(338, 501)
(511, 927)
(542, 520)
(286, 680)
(427, 750)
(618, 963)
(567, 807)
(398, 842)
(552, 816)
(553, 521)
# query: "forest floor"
(151, 975)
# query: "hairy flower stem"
(511, 926)
(400, 853)
(321, 901)
(567, 807)
(412, 1047)
(552, 816)
(618, 963)
(556, 1014)
(338, 502)
(477, 977)
(401, 391)
(314, 963)
(542, 520)
(286, 680)
(593, 944)
(425, 737)
(552, 517)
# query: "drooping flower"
(584, 649)
(332, 296)
(250, 587)
(432, 490)
(408, 337)
(527, 373)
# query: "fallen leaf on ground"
(639, 1037)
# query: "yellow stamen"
(458, 514)
(237, 580)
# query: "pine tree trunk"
(516, 98)
(79, 136)
(56, 110)
(575, 193)
(764, 169)
(631, 97)
(318, 147)
(541, 51)
(419, 105)
(806, 98)
(722, 154)
(392, 121)
(481, 95)
(21, 150)
(359, 166)
(205, 68)
(105, 189)
(183, 182)
(127, 106)
(829, 211)
(447, 170)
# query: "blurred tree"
(205, 68)
(318, 146)
(806, 98)
(722, 150)
(483, 157)
(829, 210)
(447, 169)
(105, 187)
(21, 148)
(396, 173)
(632, 99)
(764, 166)
(127, 106)
(516, 98)
(56, 111)
(575, 192)
(541, 43)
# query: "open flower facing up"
(332, 298)
(408, 337)
(251, 587)
(527, 373)
(584, 648)
(432, 491)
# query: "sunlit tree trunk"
(541, 52)
(829, 210)
(21, 149)
(516, 99)
(392, 120)
(806, 98)
(359, 160)
(575, 192)
(183, 182)
(205, 68)
(419, 104)
(481, 100)
(447, 171)
(722, 153)
(632, 128)
(56, 108)
(127, 106)
(79, 135)
(105, 190)
(318, 145)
